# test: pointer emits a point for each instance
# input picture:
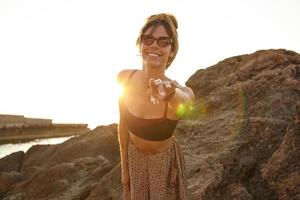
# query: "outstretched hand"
(159, 89)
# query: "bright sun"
(119, 89)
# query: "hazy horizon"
(59, 59)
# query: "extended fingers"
(151, 83)
(169, 87)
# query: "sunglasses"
(161, 41)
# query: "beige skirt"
(159, 176)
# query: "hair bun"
(173, 19)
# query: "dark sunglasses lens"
(163, 42)
(147, 40)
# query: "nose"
(155, 44)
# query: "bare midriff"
(148, 147)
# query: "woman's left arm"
(183, 99)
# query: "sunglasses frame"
(159, 41)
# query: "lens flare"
(199, 108)
(181, 110)
(120, 89)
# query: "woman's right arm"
(123, 134)
(123, 137)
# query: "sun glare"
(119, 89)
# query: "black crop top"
(157, 129)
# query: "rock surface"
(240, 142)
(70, 170)
(245, 130)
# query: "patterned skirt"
(158, 176)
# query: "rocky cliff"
(244, 133)
(240, 142)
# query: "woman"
(151, 159)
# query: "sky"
(59, 59)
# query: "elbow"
(189, 96)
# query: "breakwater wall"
(17, 128)
(19, 121)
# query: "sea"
(6, 149)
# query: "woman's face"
(155, 47)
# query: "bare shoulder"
(189, 92)
(124, 75)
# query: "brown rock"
(282, 171)
(69, 170)
(243, 108)
(7, 180)
(12, 162)
(100, 141)
(108, 187)
(238, 192)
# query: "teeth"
(152, 54)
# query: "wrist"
(169, 96)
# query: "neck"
(152, 72)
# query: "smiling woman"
(151, 159)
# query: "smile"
(153, 54)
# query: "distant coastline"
(17, 128)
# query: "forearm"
(123, 145)
(183, 96)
